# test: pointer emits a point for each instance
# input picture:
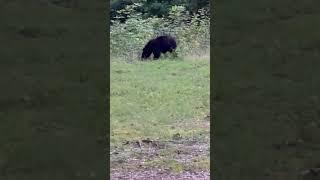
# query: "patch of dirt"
(150, 159)
(158, 175)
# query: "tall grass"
(190, 30)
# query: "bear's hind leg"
(156, 54)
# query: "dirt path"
(160, 175)
(179, 158)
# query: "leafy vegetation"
(159, 8)
(129, 37)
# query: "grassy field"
(160, 101)
(148, 98)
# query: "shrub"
(128, 38)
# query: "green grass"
(149, 98)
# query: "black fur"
(161, 44)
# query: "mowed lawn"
(151, 99)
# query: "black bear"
(161, 44)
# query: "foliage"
(129, 37)
(159, 8)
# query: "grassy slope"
(148, 98)
(158, 100)
(267, 85)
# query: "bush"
(127, 39)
